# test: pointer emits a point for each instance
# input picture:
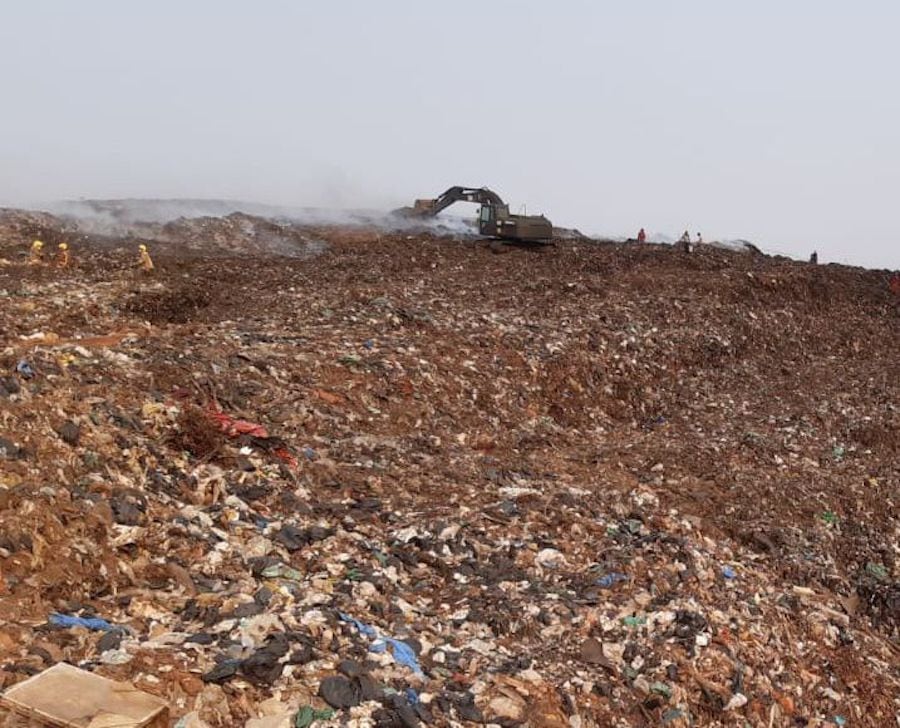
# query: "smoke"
(144, 216)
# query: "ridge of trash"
(353, 477)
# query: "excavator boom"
(481, 195)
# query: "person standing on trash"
(146, 261)
(699, 239)
(37, 253)
(894, 284)
(814, 258)
(63, 259)
(642, 236)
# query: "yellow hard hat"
(142, 248)
(63, 246)
(38, 244)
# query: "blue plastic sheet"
(402, 652)
(361, 626)
(610, 580)
(24, 368)
(94, 623)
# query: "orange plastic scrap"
(234, 427)
(283, 454)
(329, 397)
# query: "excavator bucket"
(423, 206)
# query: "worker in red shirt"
(642, 236)
(895, 284)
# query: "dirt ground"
(591, 484)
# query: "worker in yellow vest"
(146, 260)
(37, 253)
(63, 259)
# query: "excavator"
(494, 218)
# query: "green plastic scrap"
(634, 621)
(830, 517)
(838, 452)
(353, 575)
(876, 570)
(661, 688)
(282, 571)
(307, 715)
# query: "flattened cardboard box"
(66, 697)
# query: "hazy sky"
(778, 122)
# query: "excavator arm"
(481, 195)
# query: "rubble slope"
(428, 479)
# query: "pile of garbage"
(412, 481)
(237, 233)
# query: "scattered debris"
(439, 486)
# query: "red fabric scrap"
(234, 427)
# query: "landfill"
(306, 475)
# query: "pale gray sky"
(773, 121)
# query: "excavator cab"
(496, 221)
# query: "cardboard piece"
(66, 697)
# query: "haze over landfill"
(769, 122)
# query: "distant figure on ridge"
(146, 261)
(895, 284)
(642, 236)
(62, 260)
(699, 239)
(814, 258)
(37, 253)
